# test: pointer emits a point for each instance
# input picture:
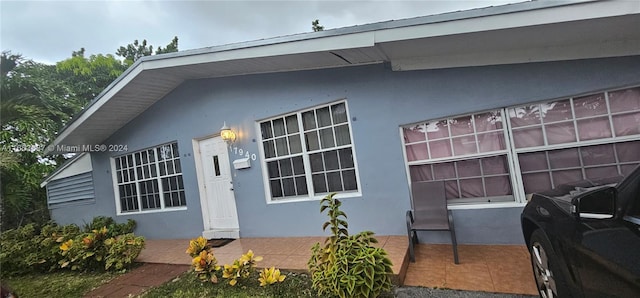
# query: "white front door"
(218, 202)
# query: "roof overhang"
(517, 33)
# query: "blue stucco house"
(499, 102)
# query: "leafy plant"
(37, 249)
(241, 268)
(269, 276)
(16, 246)
(206, 266)
(96, 250)
(122, 251)
(196, 246)
(347, 266)
(113, 228)
(204, 263)
(49, 240)
(32, 248)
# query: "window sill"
(340, 196)
(485, 205)
(152, 211)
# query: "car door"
(608, 250)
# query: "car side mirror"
(598, 204)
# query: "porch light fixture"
(227, 134)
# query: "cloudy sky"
(48, 31)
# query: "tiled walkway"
(285, 253)
(490, 268)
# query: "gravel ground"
(419, 292)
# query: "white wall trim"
(486, 206)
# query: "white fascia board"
(91, 109)
(550, 15)
(552, 53)
(332, 43)
(76, 165)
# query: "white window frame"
(469, 203)
(116, 190)
(305, 154)
(613, 139)
(513, 152)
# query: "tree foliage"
(315, 25)
(37, 101)
(137, 50)
(170, 48)
(88, 76)
(34, 106)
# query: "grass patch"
(57, 284)
(187, 285)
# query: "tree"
(37, 100)
(170, 48)
(33, 108)
(315, 25)
(87, 77)
(137, 50)
(134, 51)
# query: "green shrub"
(97, 251)
(32, 248)
(39, 249)
(51, 236)
(347, 266)
(16, 246)
(122, 251)
(113, 228)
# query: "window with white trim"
(309, 153)
(586, 137)
(468, 152)
(552, 143)
(149, 179)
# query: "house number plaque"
(243, 153)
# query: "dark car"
(584, 238)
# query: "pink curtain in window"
(625, 100)
(464, 179)
(416, 151)
(420, 173)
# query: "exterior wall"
(379, 101)
(72, 184)
(71, 190)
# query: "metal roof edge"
(391, 24)
(383, 25)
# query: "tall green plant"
(347, 266)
